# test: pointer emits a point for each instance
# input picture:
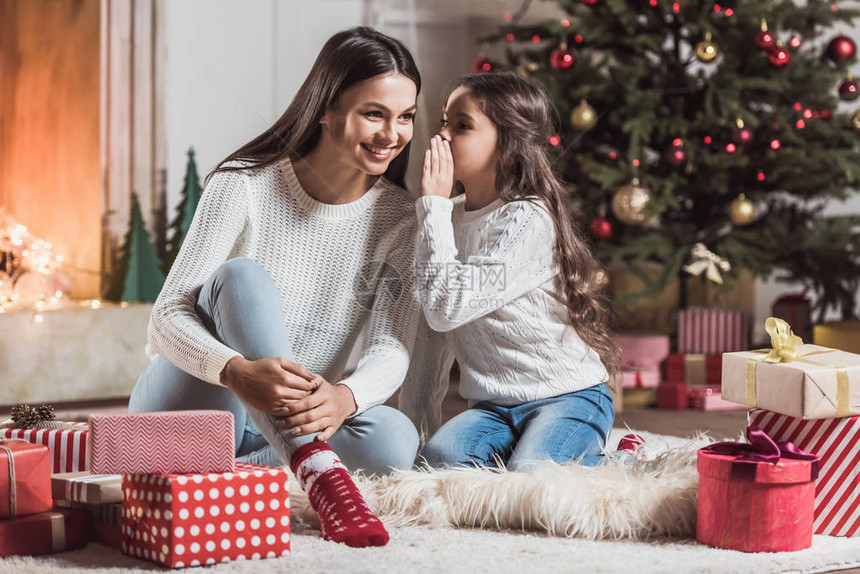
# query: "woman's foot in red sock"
(344, 516)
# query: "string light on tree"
(583, 117)
(706, 50)
(676, 155)
(741, 211)
(482, 65)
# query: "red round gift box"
(755, 507)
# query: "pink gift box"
(709, 399)
(642, 350)
(173, 442)
(639, 379)
(755, 506)
(712, 331)
(66, 441)
(837, 443)
(191, 520)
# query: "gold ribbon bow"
(707, 262)
(786, 345)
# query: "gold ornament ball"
(583, 117)
(630, 202)
(706, 50)
(855, 121)
(741, 210)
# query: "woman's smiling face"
(372, 122)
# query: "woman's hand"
(322, 412)
(437, 177)
(268, 385)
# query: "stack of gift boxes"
(691, 376)
(163, 487)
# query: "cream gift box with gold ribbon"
(802, 381)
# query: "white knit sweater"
(487, 279)
(325, 260)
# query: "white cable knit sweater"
(486, 277)
(326, 261)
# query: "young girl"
(502, 270)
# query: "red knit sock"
(344, 516)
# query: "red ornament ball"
(765, 40)
(779, 57)
(562, 59)
(841, 48)
(601, 227)
(483, 65)
(676, 156)
(849, 90)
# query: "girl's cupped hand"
(437, 177)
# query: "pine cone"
(26, 416)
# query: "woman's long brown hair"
(523, 116)
(347, 58)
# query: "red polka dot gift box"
(197, 519)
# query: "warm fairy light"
(807, 113)
(797, 106)
(795, 41)
(729, 12)
(613, 155)
(653, 2)
(760, 175)
(40, 305)
(95, 304)
(53, 301)
(708, 140)
(774, 144)
(535, 39)
(38, 318)
(565, 22)
(717, 8)
(731, 148)
(554, 140)
(635, 163)
(834, 8)
(800, 124)
(578, 38)
(509, 17)
(510, 37)
(677, 142)
(124, 304)
(676, 7)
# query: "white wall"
(232, 67)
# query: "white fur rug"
(557, 519)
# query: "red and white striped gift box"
(67, 443)
(702, 330)
(837, 443)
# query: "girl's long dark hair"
(522, 113)
(348, 57)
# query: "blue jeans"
(241, 306)
(564, 428)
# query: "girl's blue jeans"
(562, 429)
(241, 306)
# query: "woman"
(301, 238)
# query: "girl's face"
(372, 122)
(472, 136)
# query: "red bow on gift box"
(761, 448)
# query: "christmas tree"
(138, 276)
(705, 122)
(191, 191)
